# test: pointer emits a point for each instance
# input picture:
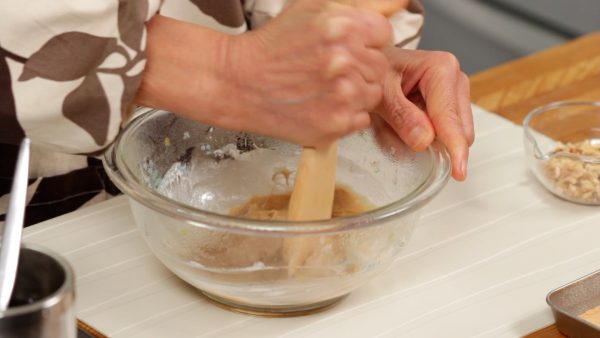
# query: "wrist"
(248, 98)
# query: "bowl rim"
(537, 151)
(128, 183)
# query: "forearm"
(190, 70)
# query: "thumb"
(410, 122)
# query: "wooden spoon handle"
(312, 198)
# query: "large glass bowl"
(183, 178)
(562, 145)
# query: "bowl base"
(272, 311)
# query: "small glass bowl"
(562, 143)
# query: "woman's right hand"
(310, 75)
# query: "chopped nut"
(573, 178)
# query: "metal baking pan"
(571, 300)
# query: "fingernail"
(417, 137)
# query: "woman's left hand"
(425, 95)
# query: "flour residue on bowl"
(224, 178)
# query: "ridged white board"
(483, 258)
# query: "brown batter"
(274, 207)
(313, 251)
(322, 256)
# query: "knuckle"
(451, 118)
(339, 63)
(347, 90)
(336, 28)
(396, 118)
(380, 23)
(383, 28)
(446, 59)
(374, 22)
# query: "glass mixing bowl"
(562, 145)
(183, 178)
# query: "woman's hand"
(309, 76)
(312, 74)
(426, 94)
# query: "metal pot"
(43, 299)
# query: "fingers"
(386, 137)
(355, 99)
(445, 89)
(464, 104)
(359, 34)
(446, 106)
(358, 68)
(448, 126)
(379, 33)
(408, 121)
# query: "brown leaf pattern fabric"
(68, 56)
(131, 14)
(88, 107)
(228, 13)
(9, 126)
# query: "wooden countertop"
(567, 72)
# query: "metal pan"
(568, 302)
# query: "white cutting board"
(480, 263)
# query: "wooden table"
(567, 72)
